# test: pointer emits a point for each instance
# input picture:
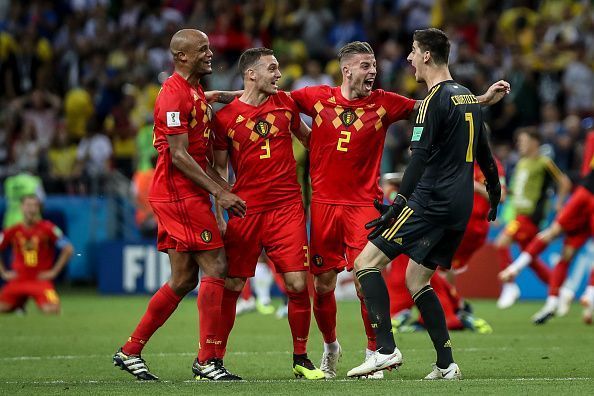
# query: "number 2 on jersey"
(346, 137)
(468, 117)
(266, 148)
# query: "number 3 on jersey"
(266, 148)
(345, 138)
(468, 117)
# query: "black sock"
(377, 301)
(432, 313)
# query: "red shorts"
(280, 232)
(474, 237)
(187, 225)
(16, 292)
(338, 235)
(522, 230)
(577, 217)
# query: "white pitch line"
(234, 353)
(286, 381)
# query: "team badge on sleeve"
(206, 236)
(173, 119)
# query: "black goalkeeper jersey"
(448, 125)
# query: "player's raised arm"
(181, 159)
(495, 93)
(224, 97)
(486, 162)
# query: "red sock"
(558, 276)
(504, 257)
(246, 293)
(159, 309)
(591, 281)
(227, 319)
(325, 312)
(536, 247)
(210, 296)
(299, 319)
(371, 344)
(541, 270)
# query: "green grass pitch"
(72, 353)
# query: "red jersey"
(588, 160)
(33, 248)
(481, 204)
(180, 108)
(347, 140)
(258, 139)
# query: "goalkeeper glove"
(494, 192)
(388, 215)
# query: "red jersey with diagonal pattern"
(33, 247)
(347, 140)
(260, 147)
(180, 108)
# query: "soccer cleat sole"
(366, 375)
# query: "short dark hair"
(531, 132)
(30, 196)
(251, 56)
(352, 48)
(436, 42)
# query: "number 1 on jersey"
(346, 137)
(266, 148)
(468, 117)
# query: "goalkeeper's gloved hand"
(494, 198)
(388, 215)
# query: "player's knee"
(235, 284)
(296, 285)
(325, 283)
(5, 308)
(183, 285)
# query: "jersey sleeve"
(427, 122)
(294, 109)
(552, 169)
(221, 141)
(304, 99)
(174, 109)
(398, 107)
(54, 232)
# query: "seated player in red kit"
(34, 243)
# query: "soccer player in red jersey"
(34, 243)
(478, 225)
(347, 138)
(576, 221)
(179, 196)
(254, 131)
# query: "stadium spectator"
(33, 269)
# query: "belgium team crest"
(262, 128)
(348, 117)
(318, 260)
(206, 236)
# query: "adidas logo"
(448, 344)
(398, 241)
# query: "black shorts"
(422, 241)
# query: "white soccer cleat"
(565, 298)
(547, 311)
(330, 362)
(245, 306)
(378, 374)
(451, 373)
(510, 292)
(377, 362)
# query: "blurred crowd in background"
(78, 78)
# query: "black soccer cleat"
(304, 368)
(213, 370)
(135, 365)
